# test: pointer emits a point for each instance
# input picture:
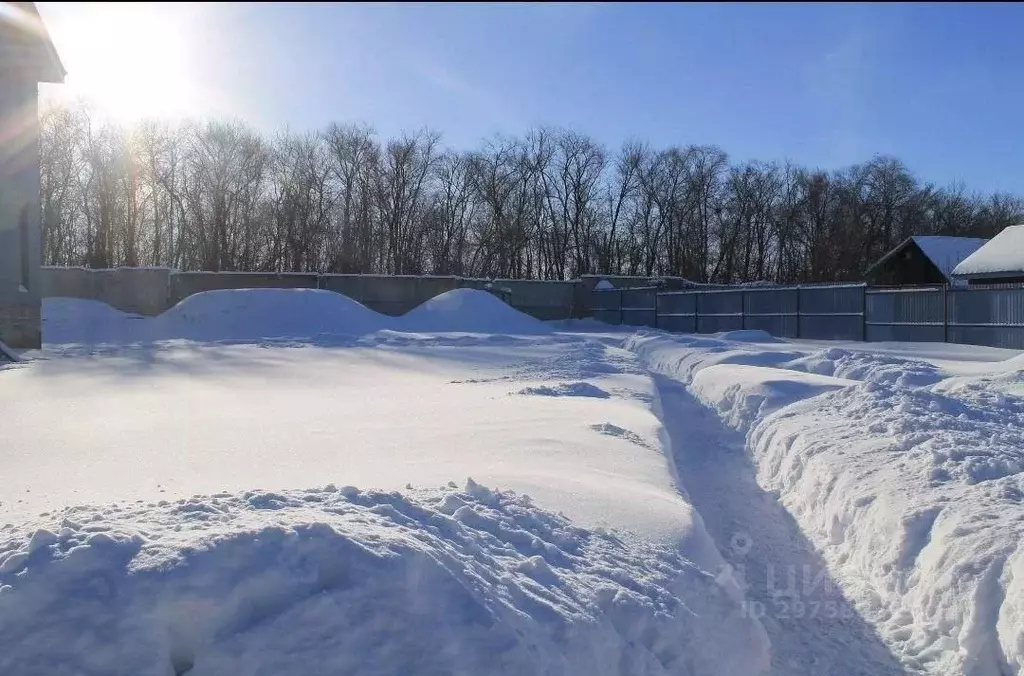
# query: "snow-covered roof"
(944, 252)
(1003, 254)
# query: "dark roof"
(944, 252)
(25, 44)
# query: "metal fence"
(979, 316)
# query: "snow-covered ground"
(902, 465)
(278, 481)
(282, 481)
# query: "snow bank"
(469, 311)
(742, 394)
(245, 314)
(456, 582)
(76, 320)
(910, 484)
(265, 314)
(748, 336)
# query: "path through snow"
(814, 630)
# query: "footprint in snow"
(567, 390)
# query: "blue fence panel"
(677, 311)
(719, 311)
(916, 315)
(605, 305)
(992, 317)
(639, 306)
(832, 312)
(772, 310)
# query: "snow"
(904, 473)
(604, 285)
(1004, 253)
(947, 252)
(470, 311)
(250, 314)
(347, 581)
(166, 511)
(640, 502)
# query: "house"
(1000, 261)
(27, 57)
(922, 260)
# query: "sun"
(130, 60)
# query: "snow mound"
(604, 285)
(80, 321)
(469, 311)
(748, 336)
(344, 581)
(246, 314)
(741, 394)
(869, 367)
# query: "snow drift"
(75, 320)
(469, 311)
(346, 581)
(909, 481)
(245, 314)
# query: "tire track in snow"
(814, 629)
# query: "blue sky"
(938, 86)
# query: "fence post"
(743, 309)
(656, 296)
(798, 322)
(864, 314)
(622, 316)
(696, 311)
(945, 313)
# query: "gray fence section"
(677, 311)
(606, 306)
(977, 316)
(986, 317)
(831, 312)
(639, 306)
(719, 311)
(917, 315)
(776, 311)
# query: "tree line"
(550, 204)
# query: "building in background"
(922, 260)
(27, 57)
(1000, 261)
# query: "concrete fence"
(150, 291)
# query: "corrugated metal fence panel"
(639, 307)
(905, 314)
(832, 312)
(677, 311)
(987, 317)
(605, 304)
(772, 310)
(719, 311)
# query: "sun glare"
(130, 60)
